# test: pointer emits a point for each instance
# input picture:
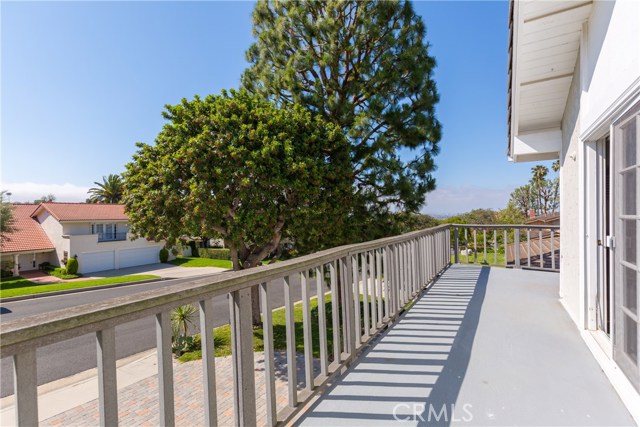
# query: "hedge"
(214, 253)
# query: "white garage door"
(88, 262)
(140, 256)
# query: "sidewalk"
(73, 401)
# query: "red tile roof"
(84, 211)
(28, 235)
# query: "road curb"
(74, 291)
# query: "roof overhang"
(544, 40)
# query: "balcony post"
(242, 357)
(26, 388)
(516, 247)
(456, 245)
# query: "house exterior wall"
(611, 56)
(54, 231)
(569, 203)
(88, 243)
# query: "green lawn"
(187, 261)
(201, 262)
(222, 334)
(18, 286)
(481, 259)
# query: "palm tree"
(181, 318)
(539, 174)
(108, 191)
(7, 219)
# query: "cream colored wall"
(569, 203)
(612, 56)
(54, 231)
(89, 243)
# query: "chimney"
(532, 213)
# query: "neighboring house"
(96, 234)
(574, 95)
(28, 245)
(548, 219)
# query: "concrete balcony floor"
(484, 346)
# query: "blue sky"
(83, 81)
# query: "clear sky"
(81, 82)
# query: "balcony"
(405, 337)
(112, 237)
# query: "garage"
(88, 262)
(139, 256)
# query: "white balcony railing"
(386, 274)
(516, 246)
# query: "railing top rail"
(536, 227)
(43, 329)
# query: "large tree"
(7, 219)
(108, 191)
(364, 66)
(238, 167)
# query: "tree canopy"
(108, 191)
(366, 67)
(236, 166)
(541, 195)
(7, 219)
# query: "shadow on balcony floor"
(482, 347)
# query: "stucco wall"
(569, 202)
(612, 56)
(54, 231)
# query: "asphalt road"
(69, 357)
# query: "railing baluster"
(244, 386)
(456, 246)
(352, 300)
(346, 346)
(335, 311)
(365, 295)
(381, 295)
(484, 245)
(355, 285)
(466, 244)
(269, 360)
(386, 285)
(292, 374)
(516, 247)
(306, 331)
(495, 247)
(506, 248)
(107, 380)
(372, 281)
(475, 247)
(26, 388)
(541, 256)
(322, 321)
(209, 360)
(528, 247)
(165, 368)
(553, 251)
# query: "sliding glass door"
(626, 142)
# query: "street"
(69, 357)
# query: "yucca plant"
(181, 318)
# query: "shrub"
(5, 273)
(72, 266)
(183, 344)
(60, 273)
(214, 253)
(194, 248)
(164, 255)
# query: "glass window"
(631, 338)
(629, 192)
(630, 289)
(629, 240)
(629, 144)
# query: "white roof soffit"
(544, 45)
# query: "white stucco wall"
(54, 231)
(611, 57)
(89, 244)
(569, 203)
